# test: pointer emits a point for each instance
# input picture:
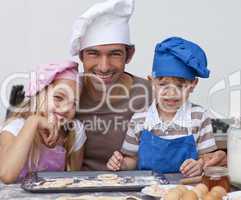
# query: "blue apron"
(165, 155)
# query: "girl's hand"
(48, 130)
(115, 162)
(192, 167)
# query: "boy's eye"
(161, 83)
(180, 86)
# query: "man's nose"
(104, 64)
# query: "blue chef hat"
(176, 57)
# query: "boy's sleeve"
(130, 145)
(206, 141)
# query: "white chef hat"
(103, 23)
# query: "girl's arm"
(14, 150)
(76, 140)
(75, 160)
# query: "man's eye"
(92, 53)
(116, 54)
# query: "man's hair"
(127, 48)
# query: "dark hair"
(17, 96)
(127, 48)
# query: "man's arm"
(217, 158)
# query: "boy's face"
(171, 92)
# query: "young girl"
(33, 137)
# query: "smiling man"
(101, 40)
(110, 97)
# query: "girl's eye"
(58, 98)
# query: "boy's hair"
(177, 79)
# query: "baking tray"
(133, 181)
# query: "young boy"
(173, 134)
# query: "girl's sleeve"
(80, 136)
(14, 127)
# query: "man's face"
(107, 62)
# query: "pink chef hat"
(47, 73)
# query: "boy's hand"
(192, 167)
(115, 161)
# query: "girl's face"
(62, 98)
(171, 93)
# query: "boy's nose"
(172, 91)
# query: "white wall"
(34, 32)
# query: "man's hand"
(115, 162)
(217, 158)
(192, 167)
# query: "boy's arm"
(126, 158)
(205, 141)
(129, 163)
(207, 145)
(191, 167)
(118, 161)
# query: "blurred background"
(35, 32)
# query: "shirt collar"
(181, 118)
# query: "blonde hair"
(35, 106)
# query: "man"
(110, 95)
